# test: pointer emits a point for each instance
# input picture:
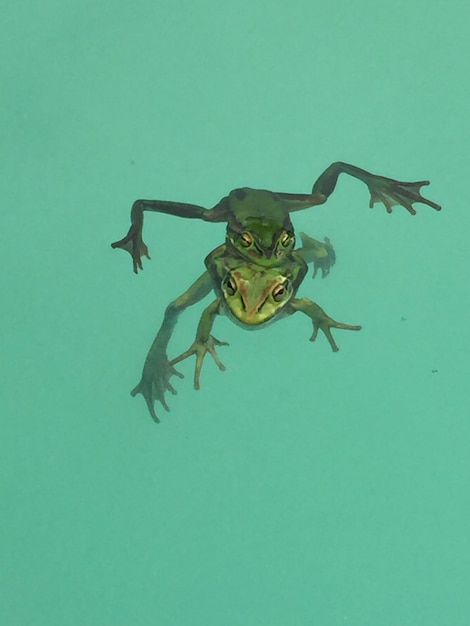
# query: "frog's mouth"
(249, 319)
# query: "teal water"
(299, 487)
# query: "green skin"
(256, 273)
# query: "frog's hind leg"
(133, 242)
(389, 191)
(299, 201)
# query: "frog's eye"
(286, 239)
(279, 291)
(246, 240)
(230, 286)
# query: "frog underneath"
(256, 273)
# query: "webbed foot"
(393, 192)
(134, 244)
(200, 349)
(155, 382)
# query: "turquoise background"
(299, 487)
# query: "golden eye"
(246, 239)
(279, 292)
(230, 286)
(286, 239)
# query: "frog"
(256, 273)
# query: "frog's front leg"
(133, 242)
(386, 190)
(320, 253)
(204, 342)
(157, 371)
(321, 321)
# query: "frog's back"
(247, 204)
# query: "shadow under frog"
(256, 273)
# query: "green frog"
(256, 273)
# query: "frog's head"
(264, 243)
(255, 295)
(259, 227)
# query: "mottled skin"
(256, 273)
